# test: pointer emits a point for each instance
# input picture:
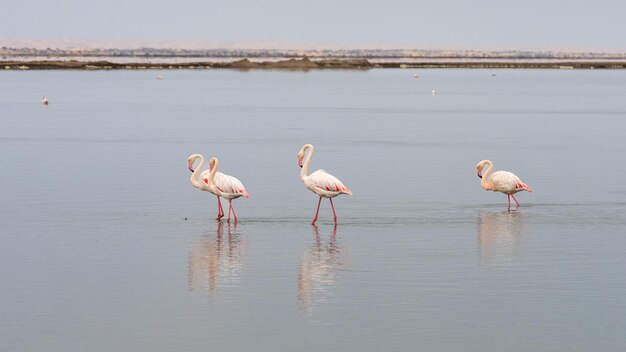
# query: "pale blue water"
(96, 254)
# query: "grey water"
(105, 245)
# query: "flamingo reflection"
(215, 259)
(319, 269)
(499, 236)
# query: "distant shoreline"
(306, 64)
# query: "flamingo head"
(192, 158)
(301, 153)
(212, 163)
(479, 168)
(300, 158)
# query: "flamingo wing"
(328, 182)
(504, 181)
(230, 184)
(226, 183)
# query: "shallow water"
(105, 245)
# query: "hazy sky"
(481, 24)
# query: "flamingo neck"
(211, 180)
(307, 162)
(485, 182)
(196, 173)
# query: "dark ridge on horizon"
(304, 64)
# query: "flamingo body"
(320, 182)
(44, 100)
(226, 186)
(507, 182)
(325, 185)
(501, 181)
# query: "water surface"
(105, 245)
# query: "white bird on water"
(226, 186)
(320, 182)
(434, 92)
(44, 100)
(217, 183)
(501, 181)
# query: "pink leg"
(229, 207)
(317, 212)
(332, 206)
(220, 211)
(230, 203)
(516, 202)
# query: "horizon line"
(130, 44)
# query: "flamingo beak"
(300, 162)
(479, 173)
(191, 167)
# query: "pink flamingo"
(225, 186)
(203, 185)
(320, 182)
(501, 181)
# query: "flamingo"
(44, 100)
(203, 186)
(501, 181)
(225, 186)
(320, 182)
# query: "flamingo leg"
(230, 202)
(220, 211)
(332, 206)
(317, 212)
(229, 208)
(516, 202)
(509, 198)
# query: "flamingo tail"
(524, 187)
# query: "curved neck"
(216, 163)
(307, 161)
(485, 180)
(196, 173)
